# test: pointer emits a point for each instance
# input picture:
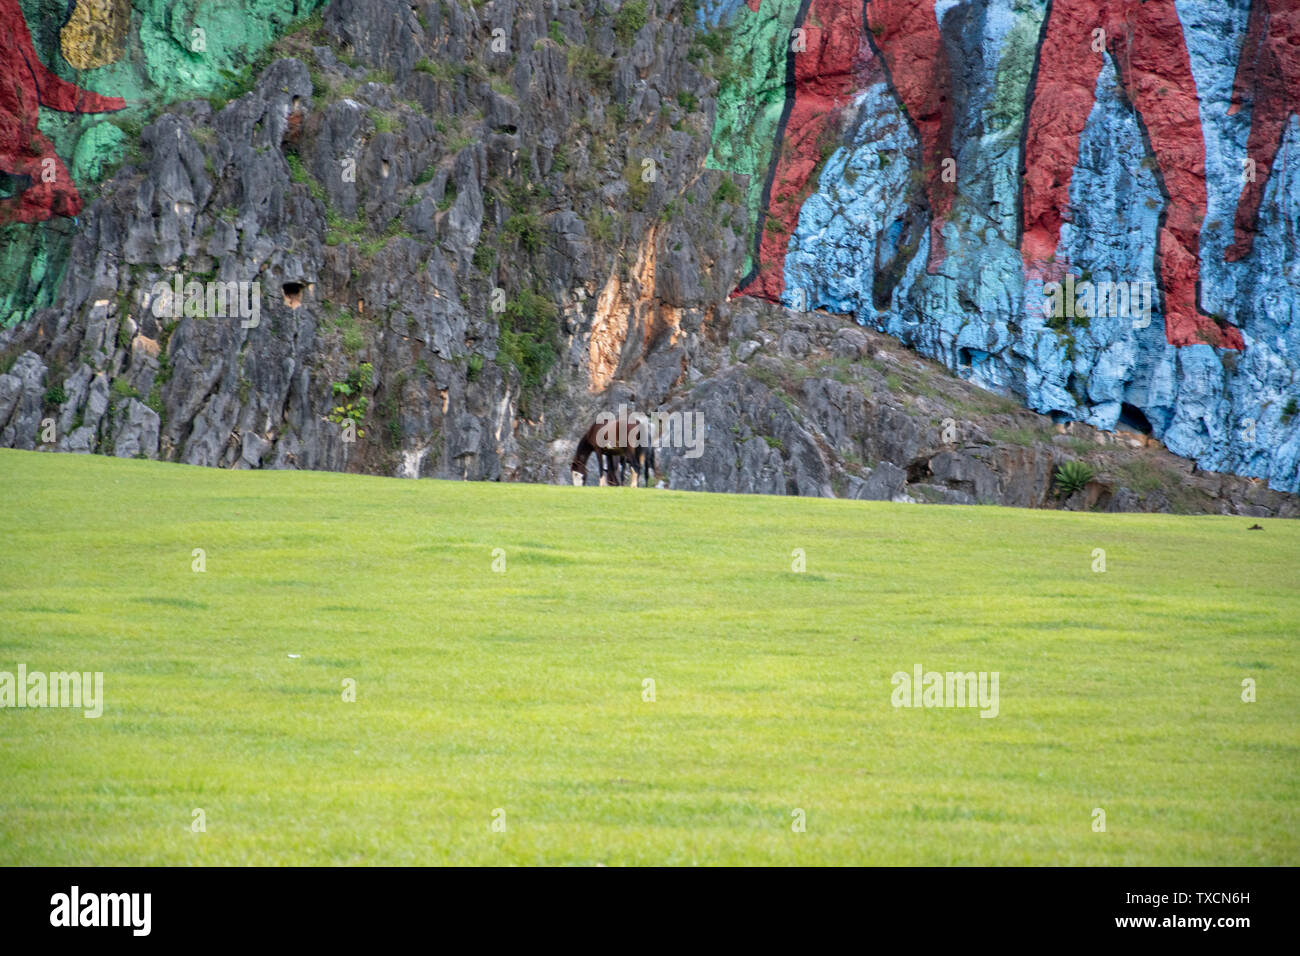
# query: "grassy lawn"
(523, 690)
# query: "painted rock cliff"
(931, 167)
(466, 228)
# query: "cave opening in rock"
(1131, 418)
(292, 292)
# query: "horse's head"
(578, 467)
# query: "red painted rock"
(26, 86)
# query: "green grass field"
(523, 691)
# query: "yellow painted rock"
(95, 34)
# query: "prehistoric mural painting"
(836, 46)
(27, 84)
(949, 171)
(832, 53)
(1268, 78)
(1145, 41)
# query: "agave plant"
(1071, 476)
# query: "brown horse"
(618, 441)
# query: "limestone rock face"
(22, 393)
(435, 239)
(425, 242)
